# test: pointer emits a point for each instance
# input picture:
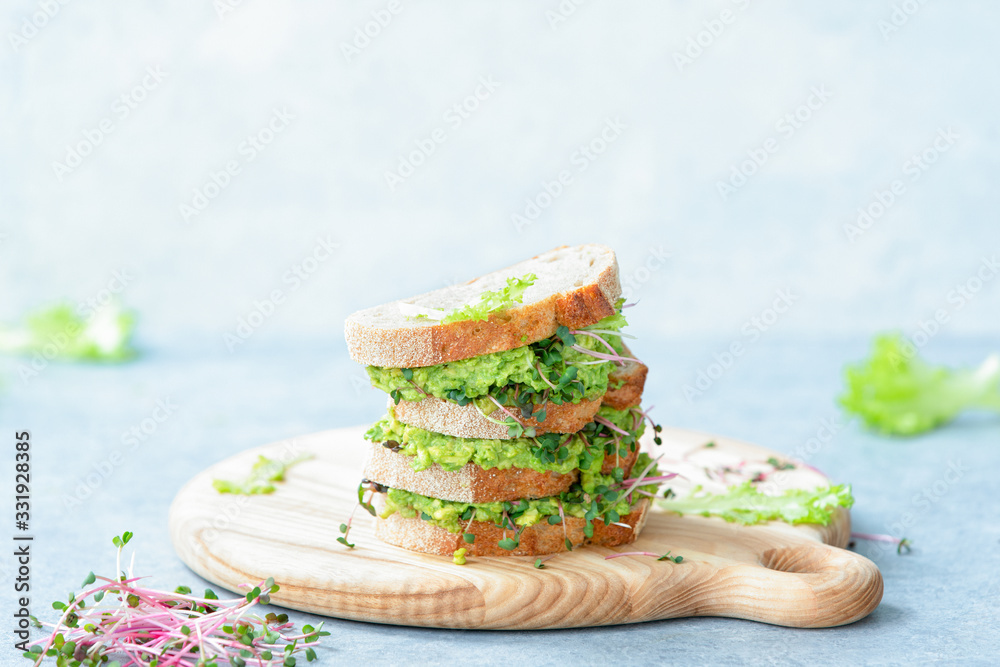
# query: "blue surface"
(939, 603)
(899, 75)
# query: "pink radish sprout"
(903, 545)
(601, 355)
(631, 553)
(505, 410)
(121, 617)
(604, 422)
(594, 335)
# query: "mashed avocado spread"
(452, 516)
(523, 366)
(427, 448)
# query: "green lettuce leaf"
(60, 333)
(262, 474)
(743, 503)
(897, 393)
(490, 302)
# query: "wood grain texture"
(773, 573)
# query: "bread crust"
(630, 393)
(469, 484)
(625, 462)
(472, 483)
(537, 540)
(441, 416)
(373, 344)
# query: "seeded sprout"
(666, 556)
(159, 628)
(903, 545)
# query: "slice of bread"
(470, 484)
(632, 377)
(537, 540)
(441, 416)
(576, 287)
(473, 484)
(626, 463)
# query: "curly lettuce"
(60, 333)
(491, 302)
(896, 393)
(743, 503)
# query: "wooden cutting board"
(775, 573)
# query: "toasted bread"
(576, 287)
(465, 421)
(537, 540)
(441, 416)
(632, 380)
(472, 483)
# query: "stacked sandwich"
(513, 422)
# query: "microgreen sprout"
(549, 370)
(903, 545)
(262, 474)
(673, 559)
(365, 488)
(152, 627)
(540, 562)
(780, 465)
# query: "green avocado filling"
(556, 452)
(547, 370)
(606, 501)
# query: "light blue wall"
(655, 186)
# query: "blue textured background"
(702, 265)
